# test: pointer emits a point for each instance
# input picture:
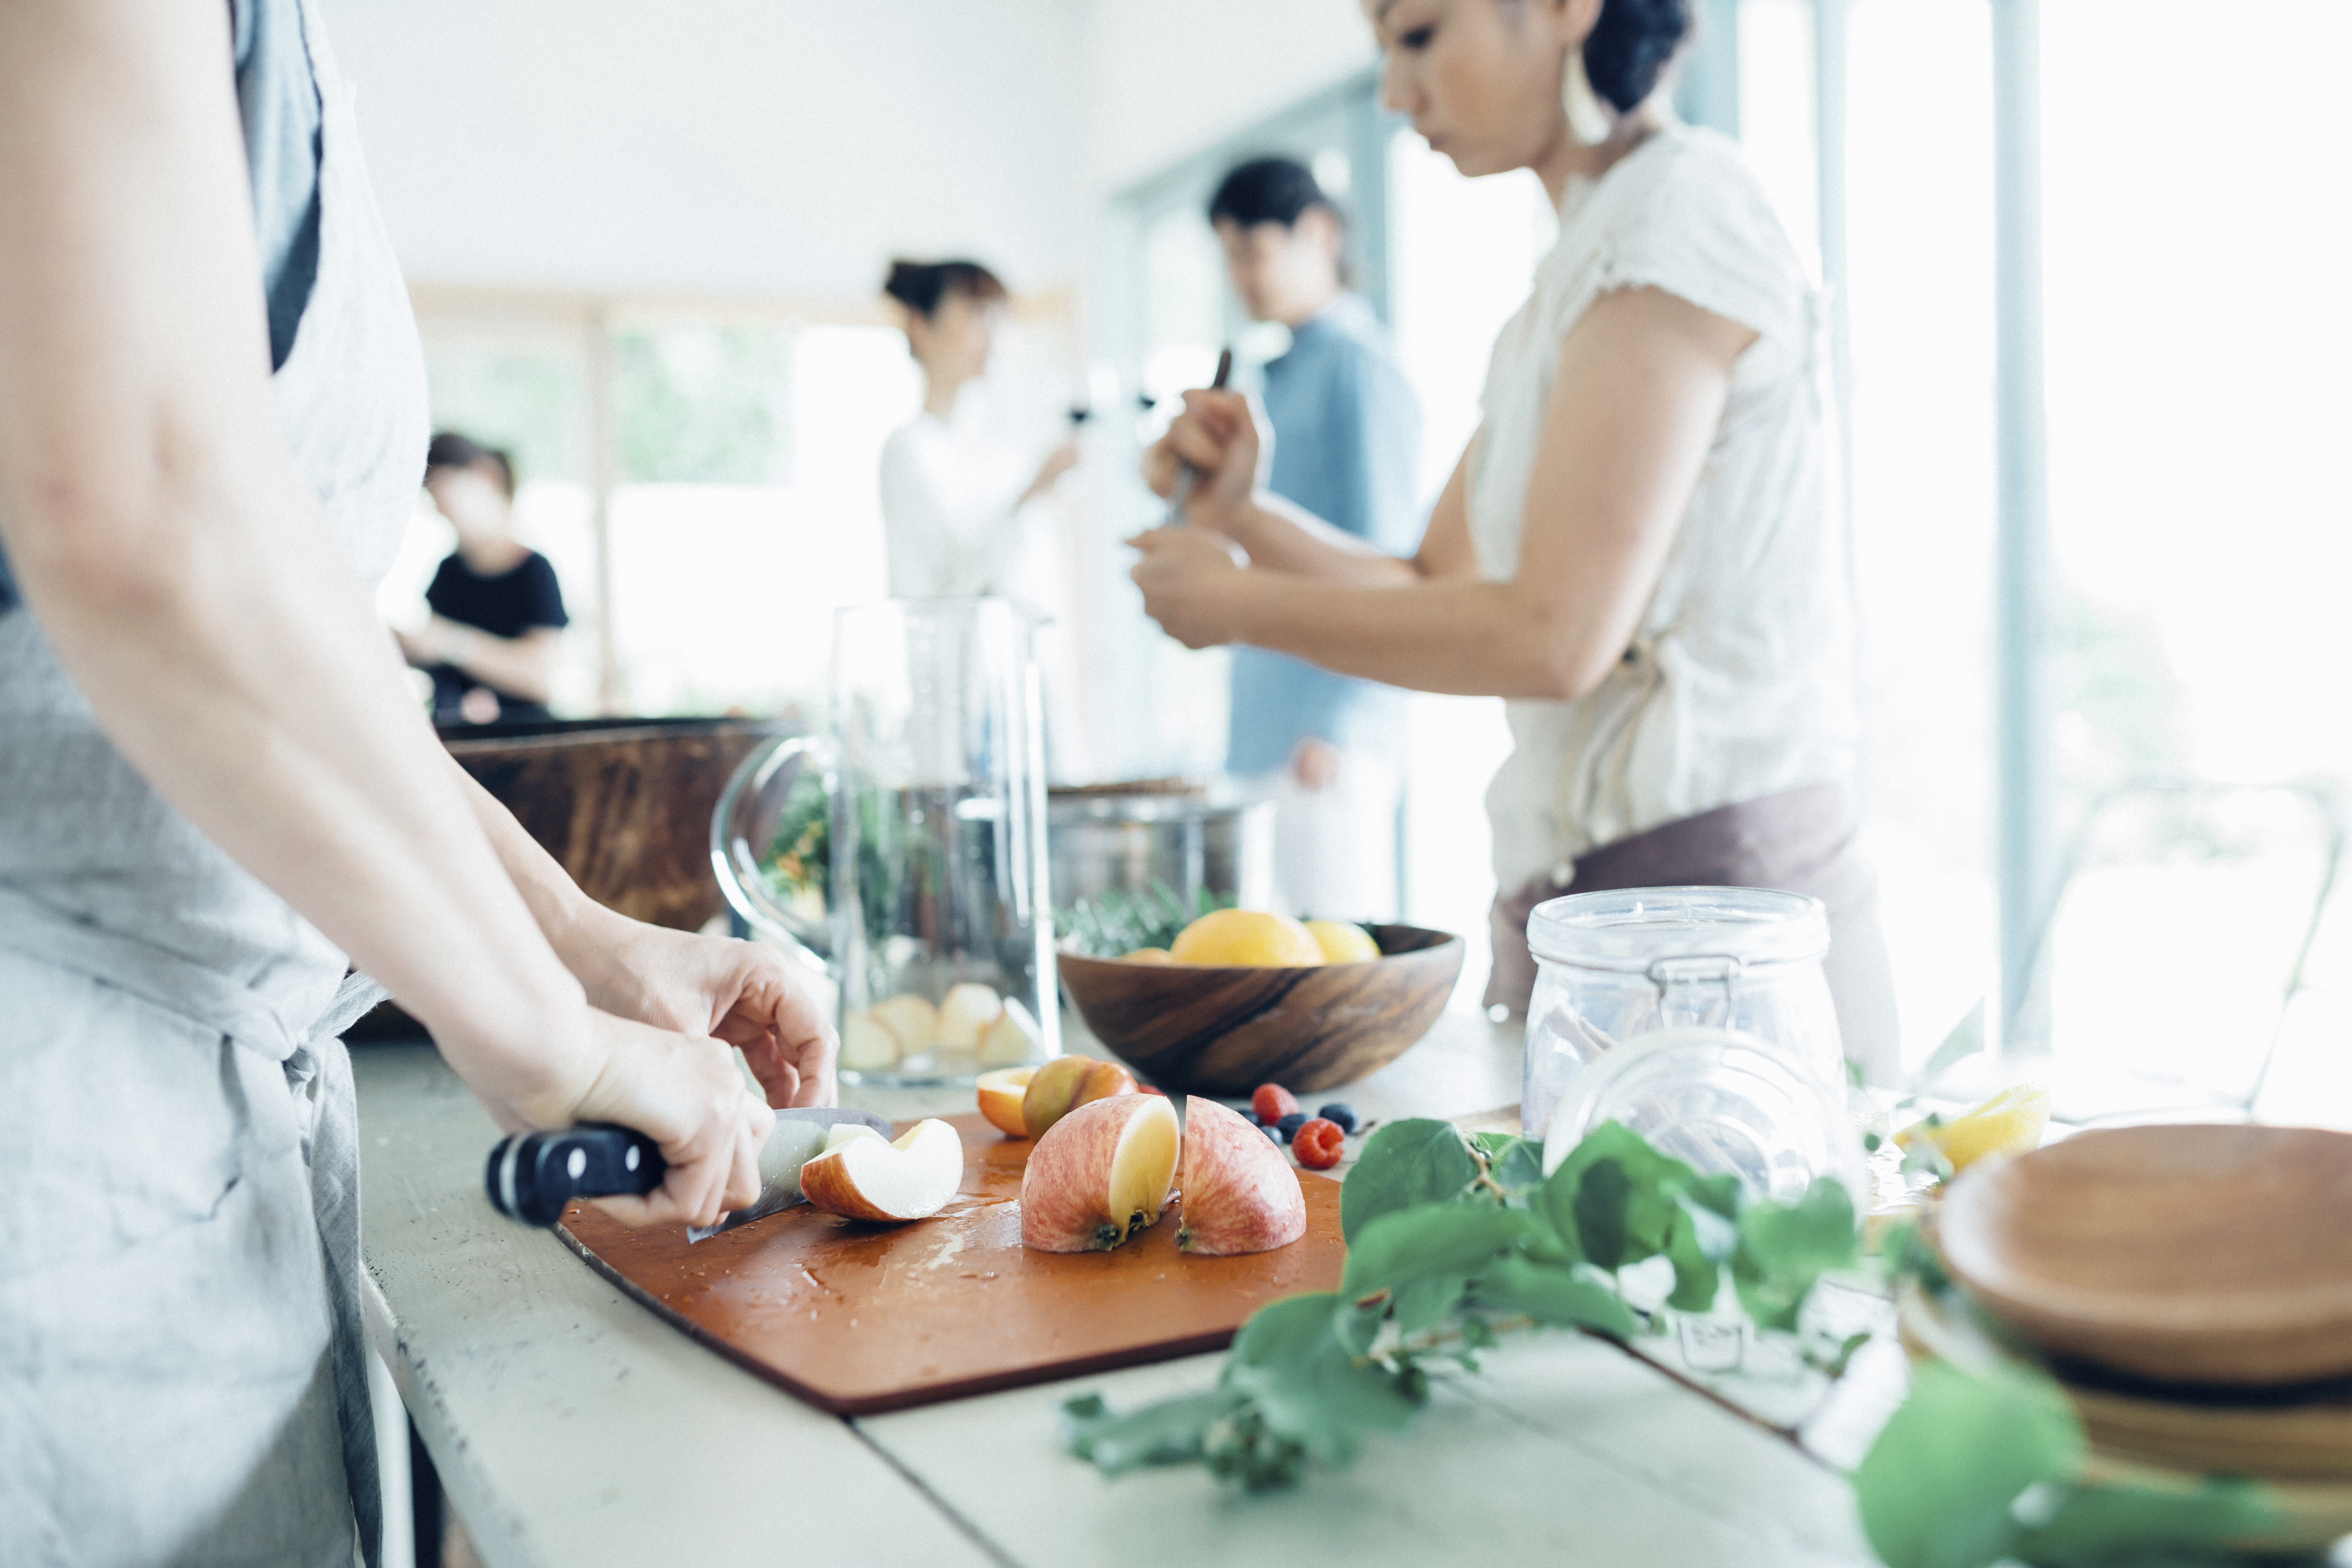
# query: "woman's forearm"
(231, 658)
(522, 666)
(1284, 537)
(1459, 636)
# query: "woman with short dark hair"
(1641, 549)
(957, 500)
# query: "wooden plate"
(2183, 1254)
(2309, 1441)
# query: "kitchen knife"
(1186, 475)
(531, 1176)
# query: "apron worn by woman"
(182, 1366)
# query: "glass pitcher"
(905, 849)
(1612, 966)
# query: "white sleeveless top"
(1739, 681)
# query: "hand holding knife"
(532, 1175)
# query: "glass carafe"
(906, 847)
(1613, 967)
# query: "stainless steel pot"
(1098, 842)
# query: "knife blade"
(532, 1175)
(799, 1137)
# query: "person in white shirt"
(1641, 549)
(960, 511)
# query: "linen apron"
(182, 1373)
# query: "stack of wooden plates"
(2191, 1289)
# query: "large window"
(703, 481)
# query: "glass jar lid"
(1631, 928)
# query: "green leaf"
(1552, 1296)
(1419, 1161)
(1627, 1213)
(1169, 1433)
(1428, 1301)
(1425, 1242)
(1783, 1250)
(1698, 1242)
(1305, 1385)
(1936, 1488)
(1518, 1167)
(2138, 1527)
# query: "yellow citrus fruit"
(2010, 1123)
(1248, 938)
(1147, 955)
(1342, 943)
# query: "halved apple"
(1240, 1193)
(866, 1177)
(1065, 1083)
(1100, 1174)
(1001, 1093)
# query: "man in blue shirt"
(1329, 748)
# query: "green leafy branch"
(1119, 921)
(1452, 1241)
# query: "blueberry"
(1276, 1135)
(1290, 1125)
(1340, 1112)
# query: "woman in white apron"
(215, 797)
(1641, 547)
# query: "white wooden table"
(572, 1427)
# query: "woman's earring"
(1590, 123)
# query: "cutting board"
(857, 1318)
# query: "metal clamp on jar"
(1613, 965)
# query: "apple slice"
(1100, 1174)
(868, 1178)
(965, 1014)
(1001, 1093)
(867, 1045)
(1240, 1193)
(1012, 1039)
(912, 1019)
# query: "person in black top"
(497, 610)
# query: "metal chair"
(2179, 933)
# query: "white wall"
(770, 147)
(1166, 78)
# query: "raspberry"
(1273, 1102)
(1319, 1144)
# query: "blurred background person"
(960, 510)
(1327, 747)
(965, 502)
(1639, 549)
(497, 610)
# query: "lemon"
(1342, 943)
(1246, 938)
(1147, 955)
(2010, 1123)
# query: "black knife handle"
(533, 1174)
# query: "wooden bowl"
(2183, 1254)
(1215, 1030)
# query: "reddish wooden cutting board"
(859, 1318)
